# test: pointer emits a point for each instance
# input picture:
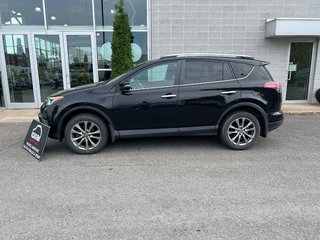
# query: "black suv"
(227, 95)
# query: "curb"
(305, 114)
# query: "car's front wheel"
(240, 130)
(86, 134)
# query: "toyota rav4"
(231, 96)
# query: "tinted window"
(241, 70)
(227, 74)
(206, 71)
(156, 76)
(260, 73)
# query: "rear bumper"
(275, 120)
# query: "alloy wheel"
(85, 135)
(241, 131)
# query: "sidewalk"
(26, 115)
(301, 109)
(21, 115)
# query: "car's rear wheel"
(86, 134)
(240, 130)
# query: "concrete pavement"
(164, 188)
(26, 115)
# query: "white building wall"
(227, 26)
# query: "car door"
(148, 103)
(206, 87)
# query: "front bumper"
(42, 119)
(53, 133)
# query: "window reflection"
(19, 13)
(80, 59)
(49, 64)
(18, 68)
(104, 53)
(104, 75)
(69, 13)
(136, 9)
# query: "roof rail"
(209, 55)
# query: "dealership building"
(50, 45)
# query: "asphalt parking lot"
(164, 188)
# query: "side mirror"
(125, 88)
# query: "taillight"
(273, 85)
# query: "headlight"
(51, 100)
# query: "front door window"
(159, 76)
(299, 70)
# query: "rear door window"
(205, 72)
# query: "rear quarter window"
(241, 70)
(260, 74)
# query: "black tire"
(318, 95)
(233, 133)
(89, 131)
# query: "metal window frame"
(5, 82)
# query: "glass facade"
(80, 60)
(105, 12)
(139, 47)
(17, 13)
(50, 45)
(17, 57)
(69, 13)
(48, 53)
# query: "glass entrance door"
(300, 65)
(81, 59)
(19, 75)
(50, 64)
(40, 64)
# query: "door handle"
(228, 92)
(289, 76)
(169, 96)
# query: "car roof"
(217, 56)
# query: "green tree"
(121, 42)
